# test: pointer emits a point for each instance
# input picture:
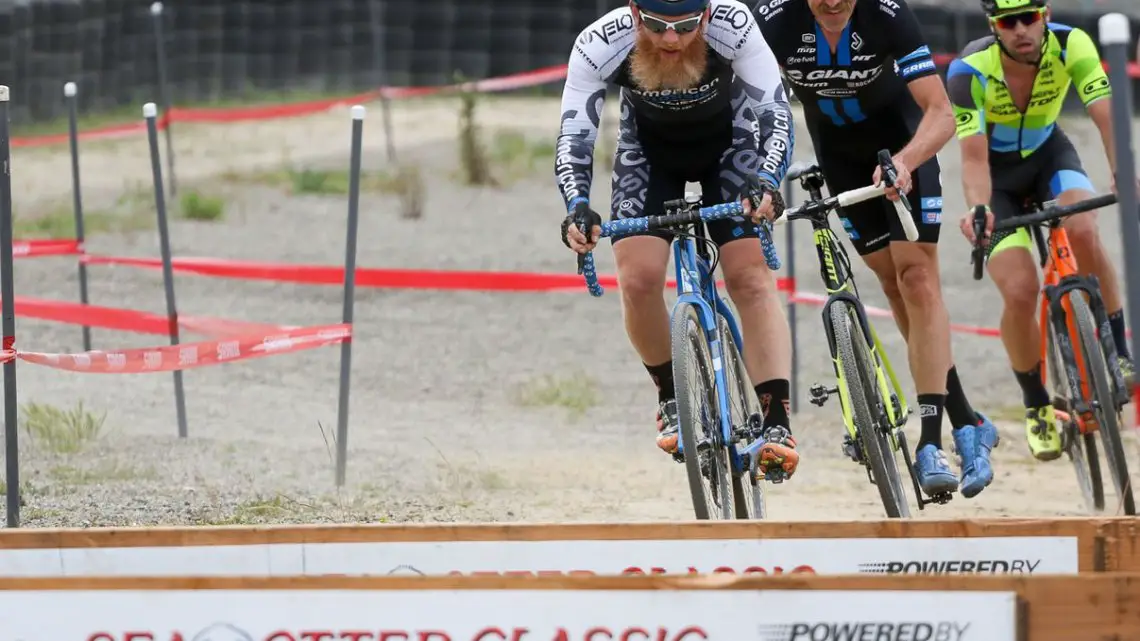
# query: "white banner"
(505, 615)
(961, 555)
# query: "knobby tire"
(690, 346)
(859, 376)
(747, 492)
(1080, 447)
(1108, 418)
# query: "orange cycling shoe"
(778, 457)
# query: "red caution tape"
(372, 277)
(32, 248)
(129, 320)
(193, 355)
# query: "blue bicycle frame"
(697, 287)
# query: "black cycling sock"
(662, 376)
(930, 408)
(1119, 335)
(958, 407)
(1033, 392)
(773, 396)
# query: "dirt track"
(436, 431)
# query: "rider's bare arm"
(1082, 62)
(976, 183)
(759, 73)
(967, 96)
(916, 66)
(937, 125)
(1101, 114)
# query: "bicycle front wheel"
(1104, 401)
(747, 492)
(1080, 447)
(867, 408)
(706, 458)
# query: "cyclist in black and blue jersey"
(867, 82)
(701, 101)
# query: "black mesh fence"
(229, 49)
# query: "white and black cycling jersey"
(741, 88)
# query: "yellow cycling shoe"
(1041, 433)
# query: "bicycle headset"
(993, 7)
(672, 7)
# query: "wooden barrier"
(1108, 544)
(1086, 607)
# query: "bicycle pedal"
(942, 498)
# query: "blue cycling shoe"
(974, 444)
(933, 471)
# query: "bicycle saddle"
(802, 168)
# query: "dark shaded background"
(227, 49)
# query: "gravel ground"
(438, 432)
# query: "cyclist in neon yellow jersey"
(1007, 90)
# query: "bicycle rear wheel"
(1103, 401)
(747, 492)
(706, 458)
(1080, 447)
(867, 409)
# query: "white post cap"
(156, 8)
(150, 110)
(358, 112)
(69, 90)
(1114, 29)
(3, 93)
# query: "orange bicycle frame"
(1059, 265)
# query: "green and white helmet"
(992, 7)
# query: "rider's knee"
(749, 286)
(1082, 230)
(918, 283)
(890, 283)
(1019, 291)
(642, 284)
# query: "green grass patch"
(61, 431)
(194, 205)
(575, 393)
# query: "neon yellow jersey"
(982, 102)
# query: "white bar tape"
(3, 93)
(906, 220)
(1114, 29)
(150, 110)
(859, 195)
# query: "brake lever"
(890, 174)
(978, 256)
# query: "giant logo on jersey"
(771, 9)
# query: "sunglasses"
(1027, 18)
(657, 25)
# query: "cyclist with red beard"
(701, 101)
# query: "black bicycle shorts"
(848, 158)
(1042, 176)
(649, 170)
